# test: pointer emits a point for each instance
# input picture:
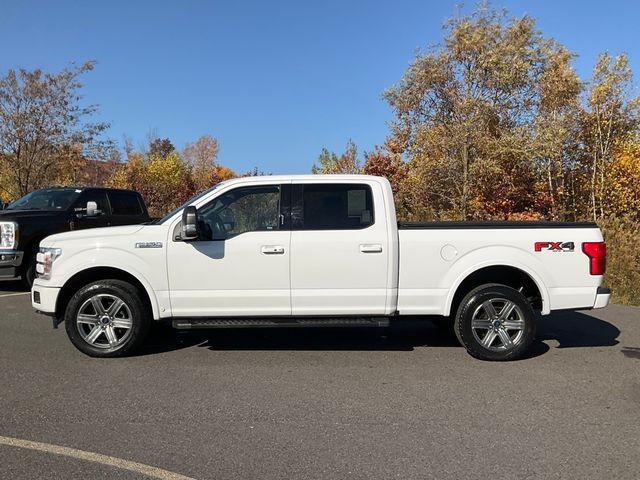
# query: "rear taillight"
(597, 253)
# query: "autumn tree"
(466, 113)
(78, 170)
(167, 179)
(43, 121)
(8, 190)
(556, 134)
(160, 147)
(383, 163)
(612, 114)
(164, 182)
(331, 162)
(202, 155)
(621, 191)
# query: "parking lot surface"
(403, 402)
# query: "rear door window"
(125, 203)
(324, 206)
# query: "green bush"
(623, 258)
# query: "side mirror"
(92, 209)
(189, 224)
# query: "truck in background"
(26, 221)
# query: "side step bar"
(196, 323)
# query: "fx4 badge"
(554, 246)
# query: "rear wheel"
(495, 322)
(107, 318)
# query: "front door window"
(246, 209)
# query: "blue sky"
(273, 81)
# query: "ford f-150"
(315, 251)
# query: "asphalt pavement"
(401, 402)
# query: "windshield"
(188, 202)
(53, 199)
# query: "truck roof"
(86, 187)
(308, 177)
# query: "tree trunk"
(602, 190)
(573, 196)
(593, 186)
(551, 191)
(465, 180)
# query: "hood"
(17, 215)
(92, 234)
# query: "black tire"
(133, 313)
(485, 306)
(29, 271)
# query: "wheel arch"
(517, 277)
(83, 277)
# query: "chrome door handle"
(371, 248)
(272, 249)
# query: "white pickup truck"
(315, 251)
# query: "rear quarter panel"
(434, 262)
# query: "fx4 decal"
(554, 246)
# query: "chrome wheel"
(104, 321)
(498, 324)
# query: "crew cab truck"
(315, 251)
(25, 222)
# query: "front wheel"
(495, 322)
(29, 271)
(107, 318)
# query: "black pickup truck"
(40, 213)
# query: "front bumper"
(43, 299)
(10, 261)
(603, 295)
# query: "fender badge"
(149, 245)
(554, 246)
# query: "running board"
(196, 323)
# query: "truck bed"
(496, 224)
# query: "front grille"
(36, 296)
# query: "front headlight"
(8, 235)
(45, 260)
